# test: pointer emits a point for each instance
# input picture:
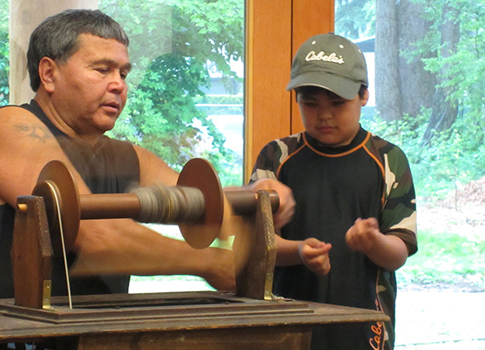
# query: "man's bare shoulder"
(17, 122)
(26, 145)
(14, 111)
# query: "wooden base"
(198, 320)
(283, 338)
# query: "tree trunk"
(402, 84)
(387, 77)
(445, 108)
(417, 85)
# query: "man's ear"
(47, 73)
(365, 98)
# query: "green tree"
(458, 64)
(355, 18)
(173, 46)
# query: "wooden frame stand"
(250, 318)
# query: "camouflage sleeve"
(266, 165)
(272, 156)
(399, 210)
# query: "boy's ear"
(47, 72)
(365, 98)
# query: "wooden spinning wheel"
(47, 223)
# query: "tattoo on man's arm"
(39, 132)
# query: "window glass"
(186, 93)
(186, 88)
(426, 70)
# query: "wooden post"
(31, 254)
(25, 15)
(256, 246)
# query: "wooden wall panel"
(274, 31)
(309, 18)
(268, 55)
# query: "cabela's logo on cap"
(321, 56)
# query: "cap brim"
(345, 88)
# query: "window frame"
(270, 111)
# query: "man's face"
(330, 119)
(90, 87)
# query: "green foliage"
(173, 46)
(455, 156)
(464, 67)
(446, 258)
(355, 18)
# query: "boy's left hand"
(363, 234)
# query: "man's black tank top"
(111, 166)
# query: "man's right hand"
(221, 273)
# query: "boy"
(355, 215)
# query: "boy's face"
(329, 118)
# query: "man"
(78, 63)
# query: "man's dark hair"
(57, 37)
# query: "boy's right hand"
(314, 254)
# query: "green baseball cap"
(331, 62)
